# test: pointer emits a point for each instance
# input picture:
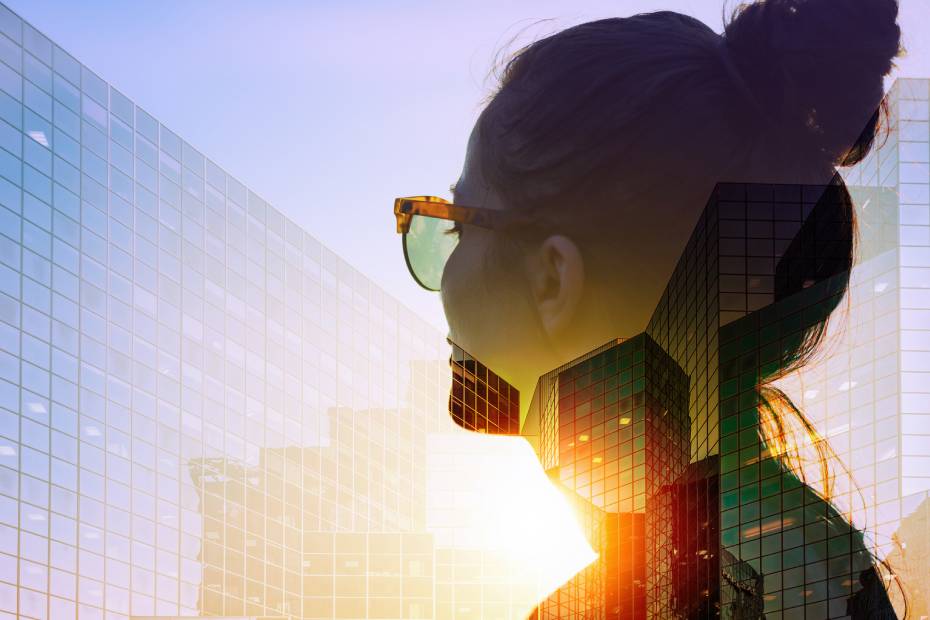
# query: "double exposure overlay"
(724, 524)
(207, 412)
(711, 400)
(750, 507)
(614, 428)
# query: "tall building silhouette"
(764, 265)
(181, 366)
(614, 426)
(265, 523)
(205, 410)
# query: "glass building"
(764, 267)
(203, 410)
(868, 391)
(616, 435)
(708, 514)
(480, 400)
(377, 563)
(807, 559)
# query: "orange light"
(582, 438)
(507, 475)
(767, 528)
(624, 421)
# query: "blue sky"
(331, 109)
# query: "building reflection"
(699, 517)
(479, 399)
(614, 430)
(169, 443)
(695, 540)
(264, 546)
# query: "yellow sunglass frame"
(406, 208)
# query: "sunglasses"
(431, 225)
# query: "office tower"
(777, 258)
(765, 265)
(885, 354)
(866, 391)
(371, 575)
(695, 538)
(814, 564)
(614, 425)
(480, 400)
(584, 595)
(281, 499)
(891, 191)
(158, 318)
(753, 248)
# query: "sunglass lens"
(427, 246)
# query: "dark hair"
(620, 118)
(608, 112)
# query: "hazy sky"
(331, 109)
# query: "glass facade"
(763, 270)
(868, 393)
(768, 264)
(695, 538)
(277, 504)
(203, 410)
(480, 400)
(785, 550)
(620, 437)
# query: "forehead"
(471, 188)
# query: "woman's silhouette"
(609, 137)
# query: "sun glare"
(490, 494)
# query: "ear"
(556, 271)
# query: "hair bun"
(817, 65)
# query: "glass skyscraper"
(765, 265)
(736, 533)
(479, 399)
(202, 408)
(617, 436)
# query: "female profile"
(589, 168)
